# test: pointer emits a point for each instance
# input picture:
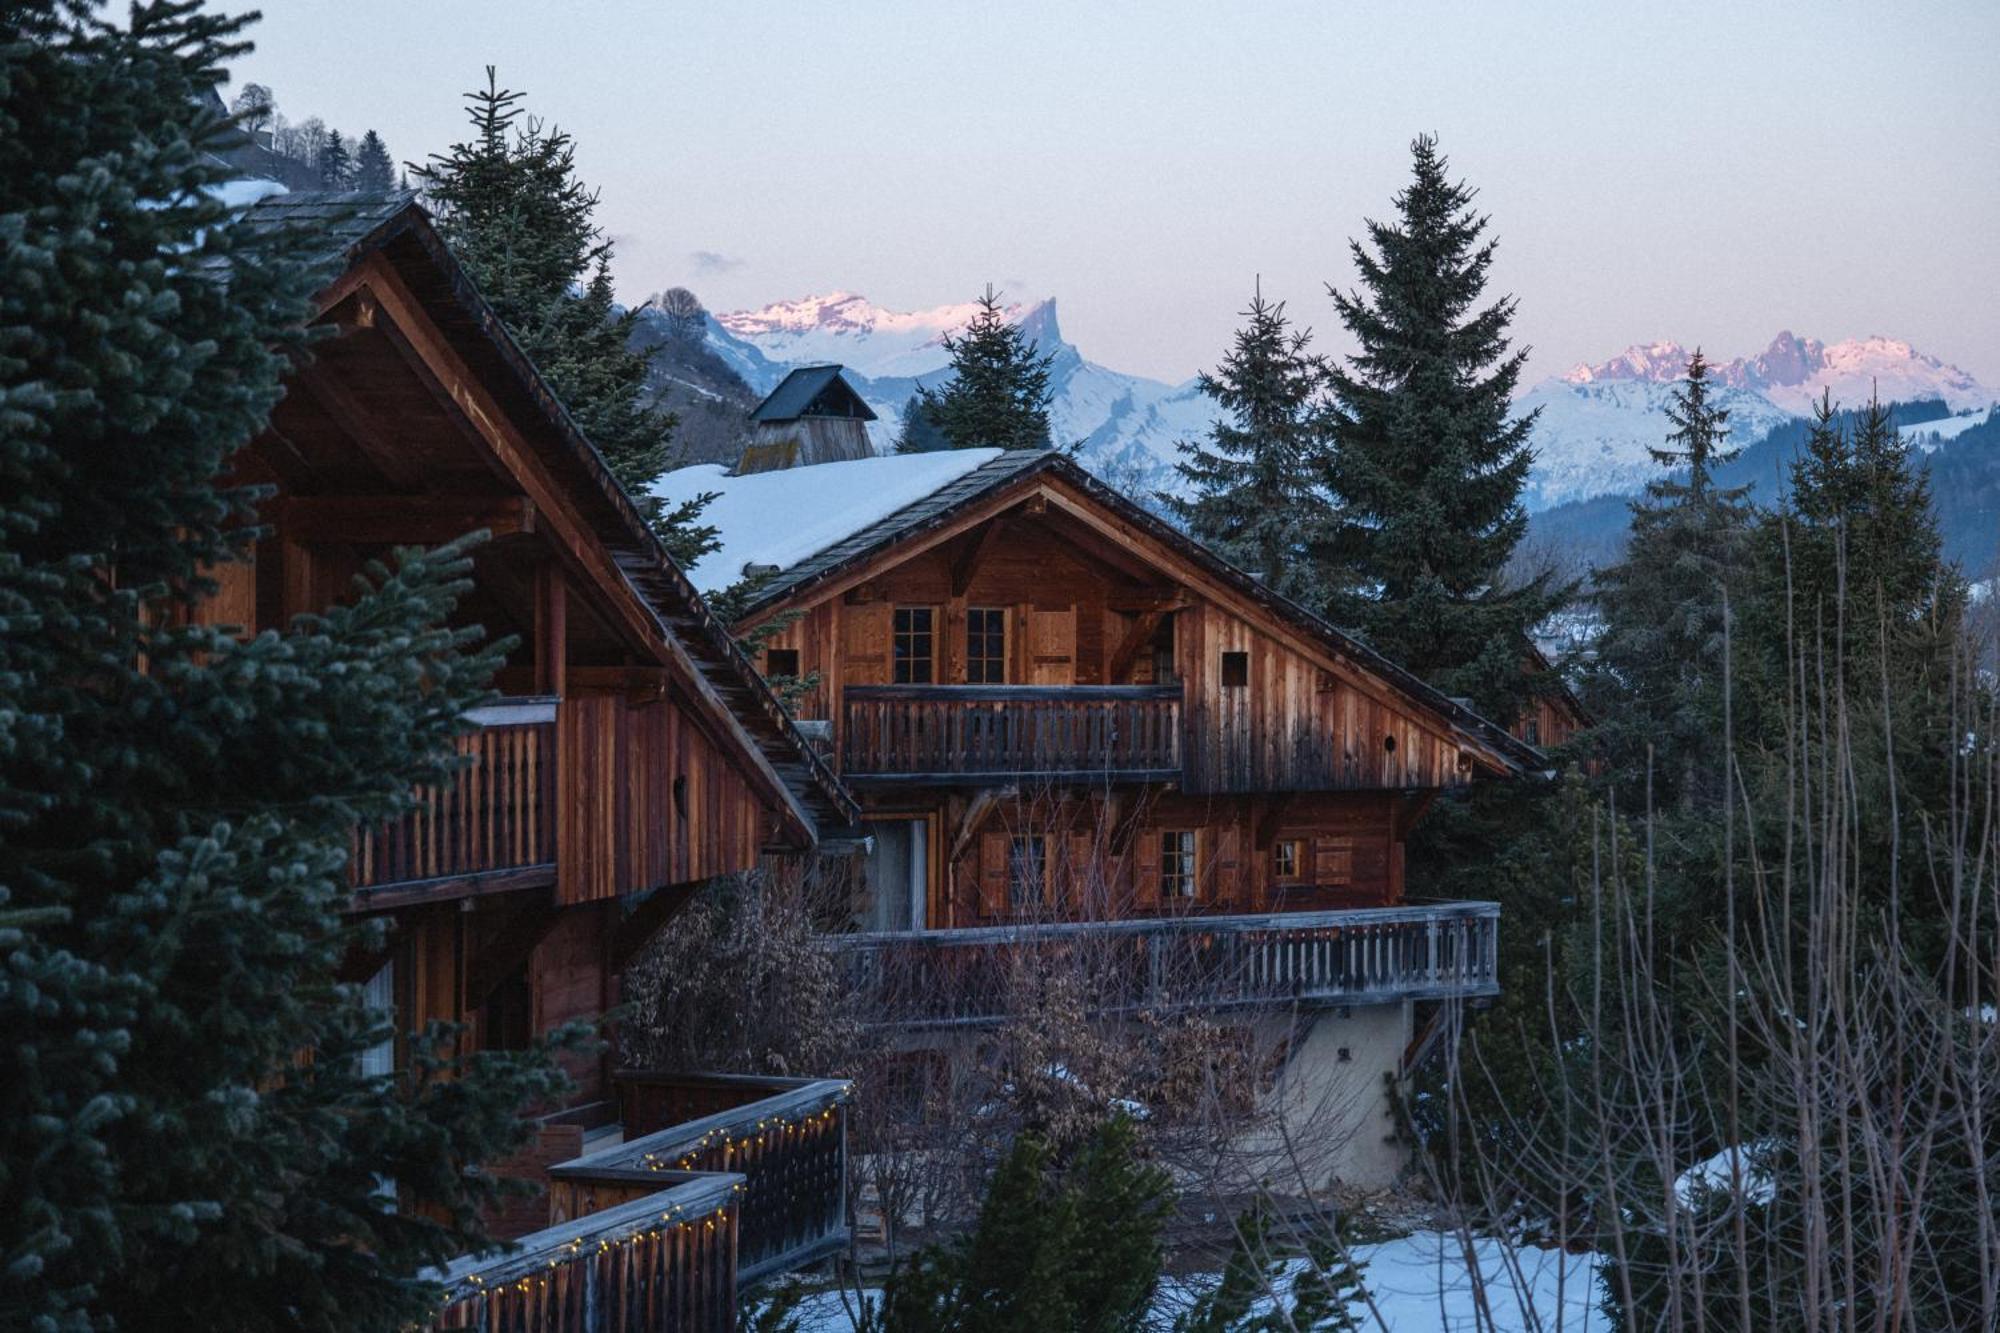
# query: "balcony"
(495, 821)
(951, 978)
(663, 1230)
(942, 734)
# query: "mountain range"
(1591, 436)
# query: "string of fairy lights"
(731, 1144)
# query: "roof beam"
(397, 520)
(1137, 635)
(360, 424)
(976, 551)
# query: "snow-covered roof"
(781, 518)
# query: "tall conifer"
(1253, 490)
(176, 802)
(510, 203)
(998, 396)
(336, 164)
(373, 169)
(1658, 678)
(1427, 459)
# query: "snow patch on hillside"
(781, 518)
(1927, 435)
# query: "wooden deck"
(948, 978)
(663, 1230)
(984, 733)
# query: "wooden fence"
(932, 733)
(1371, 955)
(498, 813)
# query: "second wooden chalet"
(1053, 704)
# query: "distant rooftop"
(812, 391)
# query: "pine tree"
(177, 802)
(1253, 497)
(998, 396)
(1425, 458)
(1658, 678)
(511, 205)
(1064, 1247)
(336, 164)
(373, 169)
(1261, 1290)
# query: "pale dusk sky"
(1707, 174)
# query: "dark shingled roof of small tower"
(798, 391)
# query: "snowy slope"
(1928, 435)
(1593, 435)
(780, 518)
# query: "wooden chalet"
(813, 416)
(1062, 715)
(635, 752)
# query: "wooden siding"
(1103, 855)
(1294, 725)
(647, 799)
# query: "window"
(986, 645)
(1235, 670)
(1165, 670)
(1028, 872)
(1534, 731)
(1177, 863)
(781, 662)
(1285, 859)
(380, 995)
(915, 647)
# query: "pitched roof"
(350, 226)
(1021, 465)
(797, 392)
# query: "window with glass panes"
(986, 645)
(1027, 872)
(916, 647)
(1285, 858)
(1177, 863)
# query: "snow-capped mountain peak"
(1654, 361)
(847, 327)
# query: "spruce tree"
(187, 1137)
(1658, 678)
(1426, 459)
(998, 396)
(1253, 496)
(511, 205)
(336, 164)
(1067, 1247)
(373, 169)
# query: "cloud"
(713, 261)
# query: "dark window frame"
(1027, 851)
(1180, 863)
(781, 662)
(913, 628)
(986, 645)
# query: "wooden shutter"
(1077, 879)
(993, 853)
(1229, 864)
(1146, 868)
(1052, 647)
(1333, 862)
(865, 644)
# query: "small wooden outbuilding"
(813, 416)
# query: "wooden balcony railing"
(497, 814)
(662, 1231)
(1372, 955)
(955, 733)
(663, 1260)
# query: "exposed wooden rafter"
(413, 520)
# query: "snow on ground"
(1926, 434)
(780, 518)
(1716, 1175)
(1421, 1283)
